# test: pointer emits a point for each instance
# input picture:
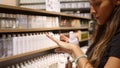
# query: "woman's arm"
(82, 62)
(113, 62)
(76, 52)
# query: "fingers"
(52, 38)
(60, 43)
(63, 50)
(59, 50)
(64, 38)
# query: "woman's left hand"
(64, 45)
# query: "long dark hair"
(103, 35)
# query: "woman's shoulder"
(115, 41)
(114, 45)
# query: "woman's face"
(101, 10)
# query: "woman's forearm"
(82, 62)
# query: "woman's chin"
(100, 22)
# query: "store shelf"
(26, 54)
(12, 58)
(5, 9)
(21, 10)
(32, 3)
(82, 10)
(72, 28)
(29, 53)
(39, 29)
(7, 18)
(84, 40)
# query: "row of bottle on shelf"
(36, 1)
(27, 21)
(53, 60)
(14, 44)
(75, 5)
(86, 15)
(18, 44)
(32, 1)
(73, 23)
(43, 1)
(62, 5)
(48, 5)
(78, 13)
(19, 21)
(37, 6)
(52, 5)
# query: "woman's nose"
(92, 10)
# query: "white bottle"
(8, 67)
(72, 38)
(17, 66)
(19, 44)
(15, 44)
(27, 43)
(23, 43)
(30, 42)
(4, 52)
(1, 47)
(62, 61)
(13, 66)
(10, 45)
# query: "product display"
(48, 5)
(18, 44)
(20, 21)
(76, 7)
(83, 35)
(66, 6)
(73, 23)
(21, 43)
(53, 60)
(23, 40)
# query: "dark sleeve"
(115, 46)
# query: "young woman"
(105, 49)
